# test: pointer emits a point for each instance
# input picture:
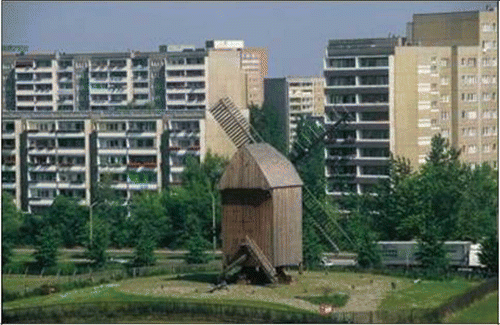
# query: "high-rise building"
(446, 82)
(73, 117)
(358, 75)
(254, 63)
(294, 97)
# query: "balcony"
(8, 186)
(43, 184)
(145, 186)
(140, 67)
(199, 66)
(142, 165)
(40, 201)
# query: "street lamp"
(91, 226)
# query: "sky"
(295, 33)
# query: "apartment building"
(358, 75)
(49, 154)
(254, 62)
(295, 97)
(99, 113)
(446, 81)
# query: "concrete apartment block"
(446, 82)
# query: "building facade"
(358, 75)
(446, 81)
(70, 118)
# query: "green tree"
(96, 250)
(196, 244)
(46, 247)
(11, 223)
(489, 251)
(267, 123)
(311, 243)
(431, 253)
(144, 250)
(311, 167)
(148, 213)
(68, 217)
(30, 229)
(199, 192)
(110, 207)
(478, 204)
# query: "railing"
(142, 164)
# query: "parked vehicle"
(403, 253)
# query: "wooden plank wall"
(242, 219)
(287, 226)
(243, 172)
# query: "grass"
(362, 292)
(337, 300)
(425, 294)
(111, 292)
(484, 311)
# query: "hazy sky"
(296, 33)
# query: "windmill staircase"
(250, 250)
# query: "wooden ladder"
(257, 253)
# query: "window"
(176, 96)
(445, 116)
(445, 133)
(375, 134)
(487, 45)
(445, 80)
(373, 62)
(445, 62)
(472, 148)
(487, 114)
(489, 130)
(374, 170)
(445, 98)
(469, 79)
(342, 63)
(488, 27)
(343, 99)
(469, 97)
(374, 98)
(471, 115)
(489, 62)
(342, 81)
(468, 132)
(487, 97)
(195, 73)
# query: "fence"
(108, 311)
(466, 299)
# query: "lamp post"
(91, 225)
(213, 220)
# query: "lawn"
(484, 311)
(365, 291)
(20, 282)
(425, 294)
